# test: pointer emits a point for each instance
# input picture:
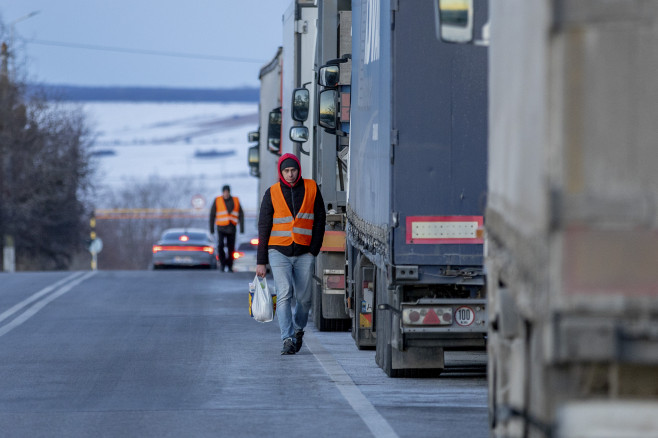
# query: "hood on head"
(281, 160)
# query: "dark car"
(185, 247)
(244, 257)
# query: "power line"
(142, 51)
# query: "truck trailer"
(315, 33)
(264, 155)
(398, 147)
(572, 219)
(417, 186)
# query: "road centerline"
(42, 300)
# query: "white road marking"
(361, 405)
(6, 314)
(64, 286)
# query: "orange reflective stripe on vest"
(222, 215)
(285, 228)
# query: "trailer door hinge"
(301, 26)
(394, 8)
(394, 143)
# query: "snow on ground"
(136, 140)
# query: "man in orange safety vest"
(290, 232)
(225, 213)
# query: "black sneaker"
(288, 347)
(299, 334)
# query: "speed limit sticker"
(464, 316)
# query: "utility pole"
(6, 108)
(8, 250)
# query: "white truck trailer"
(264, 155)
(572, 218)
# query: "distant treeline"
(155, 94)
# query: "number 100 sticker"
(464, 316)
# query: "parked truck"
(264, 154)
(572, 219)
(400, 126)
(315, 33)
(415, 283)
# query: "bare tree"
(127, 241)
(44, 176)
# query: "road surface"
(175, 354)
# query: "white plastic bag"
(262, 307)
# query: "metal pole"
(8, 250)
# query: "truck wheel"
(384, 351)
(320, 323)
(492, 393)
(361, 344)
(388, 362)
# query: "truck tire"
(320, 322)
(384, 318)
(361, 344)
(492, 369)
(384, 350)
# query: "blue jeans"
(293, 276)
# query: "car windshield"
(192, 236)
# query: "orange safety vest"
(222, 216)
(285, 229)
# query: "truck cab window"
(454, 20)
(274, 131)
(327, 109)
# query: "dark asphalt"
(175, 354)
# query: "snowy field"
(206, 142)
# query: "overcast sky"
(240, 35)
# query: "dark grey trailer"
(417, 185)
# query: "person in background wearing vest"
(226, 212)
(290, 232)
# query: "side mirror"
(300, 104)
(299, 134)
(253, 159)
(329, 75)
(253, 137)
(274, 131)
(454, 20)
(328, 109)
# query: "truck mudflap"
(330, 263)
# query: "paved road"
(175, 354)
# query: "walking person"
(290, 232)
(225, 213)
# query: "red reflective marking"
(431, 318)
(208, 249)
(414, 316)
(336, 281)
